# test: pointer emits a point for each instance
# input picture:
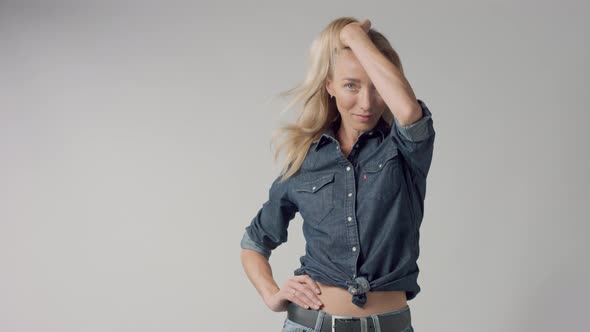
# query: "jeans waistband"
(395, 320)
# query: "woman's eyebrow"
(351, 79)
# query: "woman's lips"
(363, 117)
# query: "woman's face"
(358, 102)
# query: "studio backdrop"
(135, 149)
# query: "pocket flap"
(315, 185)
(379, 164)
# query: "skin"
(277, 298)
(355, 95)
(379, 84)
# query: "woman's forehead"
(348, 66)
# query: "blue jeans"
(291, 326)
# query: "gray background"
(134, 146)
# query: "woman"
(355, 169)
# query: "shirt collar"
(382, 128)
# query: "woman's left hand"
(353, 28)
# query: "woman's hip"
(307, 320)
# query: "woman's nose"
(366, 98)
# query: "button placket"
(351, 225)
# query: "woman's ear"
(329, 87)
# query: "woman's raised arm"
(389, 81)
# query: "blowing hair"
(317, 110)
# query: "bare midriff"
(338, 301)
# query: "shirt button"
(380, 165)
(349, 218)
(353, 248)
(349, 194)
(313, 188)
(370, 133)
(348, 168)
(357, 145)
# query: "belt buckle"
(333, 323)
(335, 317)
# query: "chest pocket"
(315, 198)
(382, 177)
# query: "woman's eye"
(349, 84)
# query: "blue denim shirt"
(361, 214)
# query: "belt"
(387, 322)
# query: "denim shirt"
(361, 214)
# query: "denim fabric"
(361, 214)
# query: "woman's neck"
(347, 137)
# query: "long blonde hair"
(318, 109)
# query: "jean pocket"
(315, 198)
(291, 326)
(382, 177)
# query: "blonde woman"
(355, 169)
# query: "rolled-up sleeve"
(416, 141)
(268, 229)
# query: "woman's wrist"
(268, 294)
(353, 36)
(355, 31)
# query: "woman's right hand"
(301, 290)
(358, 28)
